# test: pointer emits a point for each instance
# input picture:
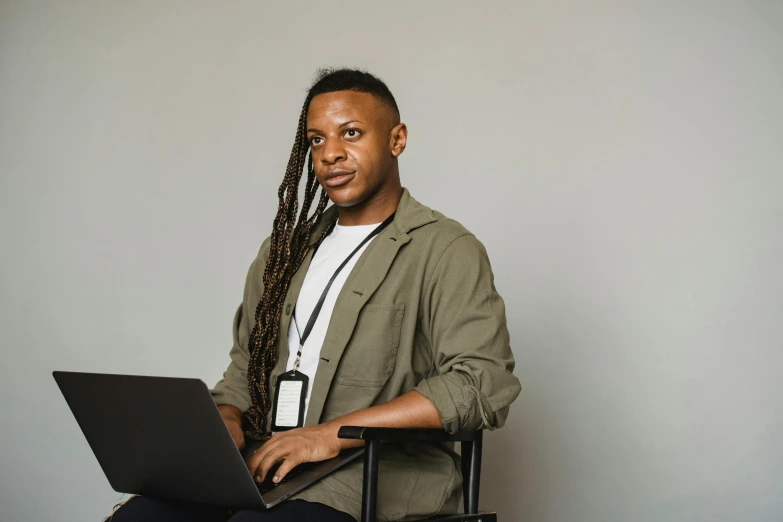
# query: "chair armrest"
(403, 434)
(471, 460)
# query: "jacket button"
(288, 309)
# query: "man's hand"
(293, 447)
(317, 443)
(232, 416)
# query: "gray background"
(621, 162)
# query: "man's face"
(351, 136)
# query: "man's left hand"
(293, 447)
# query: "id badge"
(289, 405)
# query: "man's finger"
(259, 455)
(269, 460)
(290, 462)
(256, 465)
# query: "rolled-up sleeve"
(232, 389)
(464, 320)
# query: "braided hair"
(289, 240)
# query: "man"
(384, 311)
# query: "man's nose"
(333, 152)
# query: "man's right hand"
(232, 416)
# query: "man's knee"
(145, 509)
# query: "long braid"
(288, 246)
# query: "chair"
(471, 466)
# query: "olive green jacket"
(418, 312)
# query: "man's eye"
(352, 133)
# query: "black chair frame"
(471, 466)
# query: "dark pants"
(144, 509)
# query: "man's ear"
(399, 138)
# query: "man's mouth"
(338, 178)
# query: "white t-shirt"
(334, 249)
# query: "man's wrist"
(229, 412)
(332, 428)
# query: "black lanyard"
(319, 305)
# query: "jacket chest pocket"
(369, 357)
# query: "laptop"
(163, 437)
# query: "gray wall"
(621, 161)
